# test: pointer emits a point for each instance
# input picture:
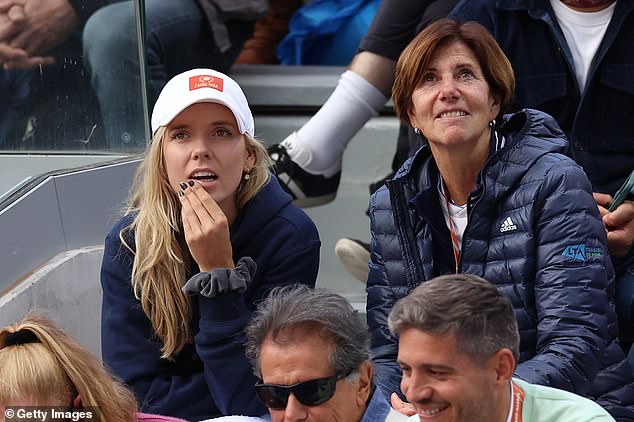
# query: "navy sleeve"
(220, 341)
(290, 255)
(381, 299)
(218, 378)
(131, 351)
(573, 285)
(219, 344)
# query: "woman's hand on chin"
(206, 228)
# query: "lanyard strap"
(518, 402)
(452, 229)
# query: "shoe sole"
(355, 259)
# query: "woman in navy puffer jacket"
(499, 201)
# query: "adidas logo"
(508, 225)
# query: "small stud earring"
(246, 176)
(417, 131)
(492, 123)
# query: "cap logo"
(205, 81)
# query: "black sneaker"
(307, 189)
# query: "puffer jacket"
(534, 231)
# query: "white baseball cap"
(202, 86)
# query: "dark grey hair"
(327, 314)
(463, 305)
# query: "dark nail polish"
(183, 185)
(191, 182)
(181, 193)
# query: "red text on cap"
(205, 81)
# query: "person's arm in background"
(27, 38)
(12, 21)
(11, 16)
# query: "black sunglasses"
(309, 393)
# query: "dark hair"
(463, 305)
(292, 309)
(414, 60)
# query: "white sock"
(318, 146)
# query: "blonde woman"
(208, 233)
(41, 365)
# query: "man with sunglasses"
(458, 345)
(310, 349)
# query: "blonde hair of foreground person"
(161, 256)
(54, 370)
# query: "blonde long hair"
(161, 257)
(56, 369)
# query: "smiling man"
(458, 345)
(311, 352)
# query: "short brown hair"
(465, 306)
(414, 60)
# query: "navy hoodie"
(211, 377)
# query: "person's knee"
(109, 32)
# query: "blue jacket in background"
(552, 262)
(600, 121)
(211, 377)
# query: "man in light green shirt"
(458, 346)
